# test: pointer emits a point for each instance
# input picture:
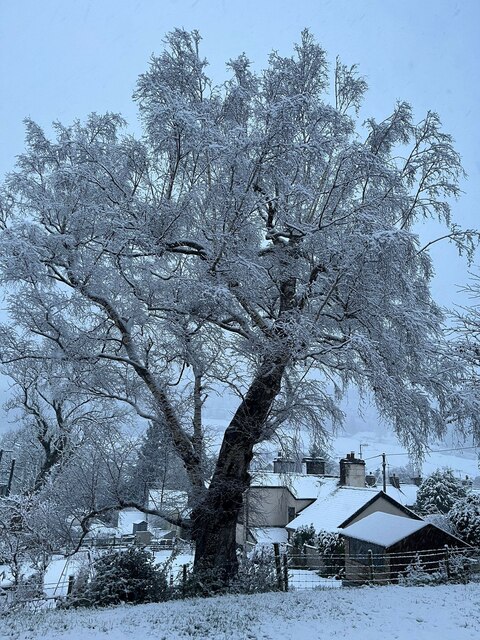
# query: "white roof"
(383, 529)
(127, 518)
(302, 485)
(329, 511)
(406, 495)
(269, 535)
(308, 486)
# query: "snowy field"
(449, 612)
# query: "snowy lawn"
(304, 579)
(447, 612)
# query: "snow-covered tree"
(438, 492)
(466, 348)
(465, 518)
(158, 465)
(26, 537)
(53, 414)
(128, 576)
(254, 235)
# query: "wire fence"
(359, 567)
(282, 568)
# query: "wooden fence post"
(370, 565)
(184, 580)
(285, 572)
(278, 566)
(447, 561)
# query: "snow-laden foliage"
(257, 240)
(417, 574)
(466, 347)
(327, 542)
(26, 542)
(330, 543)
(158, 465)
(305, 534)
(129, 576)
(465, 518)
(438, 492)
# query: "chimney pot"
(395, 481)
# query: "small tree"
(124, 577)
(465, 518)
(26, 543)
(158, 465)
(438, 492)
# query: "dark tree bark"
(215, 518)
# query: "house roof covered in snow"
(384, 529)
(406, 495)
(308, 486)
(336, 505)
(302, 486)
(127, 518)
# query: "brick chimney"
(352, 471)
(417, 480)
(314, 466)
(283, 465)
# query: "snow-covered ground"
(449, 612)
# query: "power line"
(430, 451)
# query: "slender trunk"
(214, 520)
(55, 453)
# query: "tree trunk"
(214, 520)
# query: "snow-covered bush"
(440, 520)
(454, 568)
(330, 543)
(257, 573)
(416, 574)
(332, 549)
(27, 590)
(304, 535)
(129, 576)
(465, 518)
(438, 492)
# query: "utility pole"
(384, 472)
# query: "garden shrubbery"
(129, 576)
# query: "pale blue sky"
(61, 59)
